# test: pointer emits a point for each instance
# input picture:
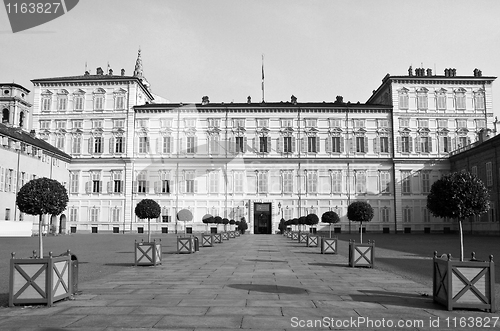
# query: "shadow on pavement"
(269, 288)
(395, 299)
(329, 264)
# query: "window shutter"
(134, 186)
(136, 145)
(171, 143)
(279, 144)
(303, 147)
(375, 145)
(109, 186)
(232, 148)
(196, 144)
(182, 184)
(417, 144)
(430, 145)
(172, 185)
(341, 144)
(398, 144)
(195, 185)
(1, 179)
(245, 143)
(100, 186)
(449, 145)
(182, 148)
(87, 187)
(454, 143)
(158, 146)
(268, 141)
(328, 144)
(229, 178)
(441, 144)
(90, 145)
(468, 141)
(254, 144)
(411, 144)
(294, 142)
(317, 144)
(122, 186)
(350, 142)
(157, 187)
(111, 145)
(366, 144)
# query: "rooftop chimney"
(249, 99)
(33, 133)
(99, 71)
(87, 73)
(429, 72)
(339, 99)
(410, 71)
(205, 100)
(293, 99)
(110, 72)
(123, 72)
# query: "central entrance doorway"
(262, 218)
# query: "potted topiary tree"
(217, 236)
(231, 232)
(147, 253)
(361, 254)
(41, 279)
(312, 238)
(329, 245)
(207, 239)
(186, 244)
(302, 234)
(461, 284)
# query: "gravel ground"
(99, 255)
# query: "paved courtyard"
(259, 282)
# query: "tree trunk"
(330, 230)
(461, 239)
(149, 230)
(361, 232)
(40, 242)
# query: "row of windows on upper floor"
(423, 144)
(440, 99)
(237, 182)
(78, 101)
(27, 149)
(477, 123)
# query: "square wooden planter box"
(231, 234)
(207, 240)
(147, 253)
(217, 238)
(463, 284)
(312, 240)
(236, 233)
(329, 245)
(362, 255)
(289, 234)
(185, 245)
(295, 236)
(303, 237)
(40, 281)
(225, 235)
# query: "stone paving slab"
(252, 282)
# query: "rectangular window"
(60, 142)
(46, 104)
(96, 124)
(165, 123)
(426, 182)
(360, 145)
(423, 123)
(262, 123)
(422, 103)
(167, 141)
(263, 144)
(479, 101)
(287, 145)
(99, 103)
(8, 179)
(311, 123)
(96, 182)
(239, 123)
(474, 170)
(190, 122)
(142, 123)
(240, 141)
(480, 124)
(117, 182)
(405, 144)
(404, 122)
(190, 145)
(312, 182)
(142, 183)
(382, 123)
(190, 178)
(165, 186)
(311, 145)
(239, 177)
(462, 124)
(143, 145)
(446, 144)
(118, 124)
(442, 123)
(384, 144)
(60, 124)
(115, 215)
(77, 124)
(44, 125)
(425, 145)
(384, 214)
(7, 214)
(120, 102)
(119, 144)
(462, 142)
(403, 101)
(288, 182)
(489, 174)
(98, 143)
(286, 123)
(460, 101)
(73, 215)
(78, 103)
(358, 124)
(441, 101)
(360, 182)
(336, 145)
(214, 144)
(213, 182)
(74, 182)
(336, 181)
(262, 182)
(213, 122)
(426, 214)
(94, 215)
(407, 214)
(385, 180)
(335, 123)
(405, 182)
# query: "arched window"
(21, 119)
(5, 115)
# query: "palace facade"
(260, 160)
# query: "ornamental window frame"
(46, 100)
(460, 98)
(78, 100)
(62, 100)
(479, 100)
(422, 99)
(403, 99)
(98, 99)
(441, 99)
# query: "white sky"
(314, 49)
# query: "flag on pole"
(262, 77)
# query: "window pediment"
(404, 132)
(120, 91)
(441, 91)
(97, 132)
(79, 92)
(422, 90)
(462, 131)
(99, 91)
(47, 93)
(63, 92)
(460, 90)
(403, 90)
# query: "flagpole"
(262, 77)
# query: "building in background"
(262, 161)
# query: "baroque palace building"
(260, 160)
